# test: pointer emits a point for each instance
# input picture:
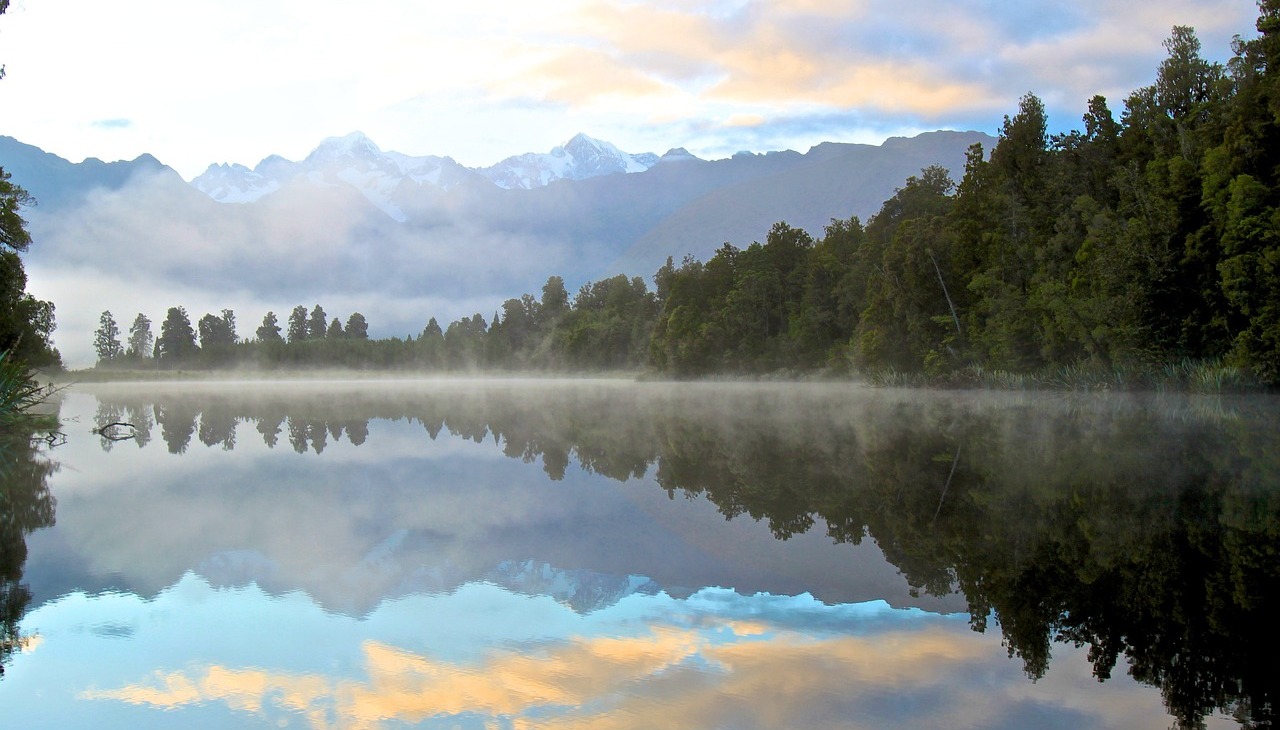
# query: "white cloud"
(155, 244)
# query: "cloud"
(928, 62)
(112, 123)
(156, 243)
(580, 75)
(664, 677)
(720, 673)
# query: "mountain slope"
(831, 181)
(58, 183)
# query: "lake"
(608, 554)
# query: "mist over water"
(679, 544)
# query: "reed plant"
(20, 392)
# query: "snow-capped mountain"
(582, 590)
(352, 160)
(578, 159)
(356, 161)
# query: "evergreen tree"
(555, 300)
(357, 328)
(432, 330)
(269, 331)
(177, 339)
(26, 323)
(106, 340)
(317, 325)
(140, 338)
(334, 332)
(298, 324)
(216, 332)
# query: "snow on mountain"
(352, 160)
(234, 184)
(356, 161)
(579, 158)
(582, 590)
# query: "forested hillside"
(1149, 239)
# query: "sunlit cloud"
(663, 678)
(745, 120)
(928, 61)
(580, 75)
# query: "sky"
(209, 81)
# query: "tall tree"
(140, 338)
(13, 228)
(26, 323)
(555, 300)
(298, 324)
(357, 327)
(318, 324)
(216, 332)
(270, 329)
(177, 338)
(106, 340)
(334, 332)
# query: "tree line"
(1130, 247)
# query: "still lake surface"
(606, 554)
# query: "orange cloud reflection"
(668, 677)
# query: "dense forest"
(1138, 246)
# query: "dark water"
(611, 555)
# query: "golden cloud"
(665, 678)
(578, 76)
(762, 58)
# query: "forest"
(1144, 246)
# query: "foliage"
(177, 342)
(269, 331)
(26, 323)
(141, 341)
(20, 392)
(106, 340)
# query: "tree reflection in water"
(25, 506)
(1144, 527)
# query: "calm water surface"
(596, 554)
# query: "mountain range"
(403, 238)
(357, 161)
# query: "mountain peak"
(581, 141)
(353, 144)
(678, 154)
(580, 158)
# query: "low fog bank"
(155, 244)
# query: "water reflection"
(1143, 528)
(485, 657)
(25, 506)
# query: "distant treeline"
(1130, 246)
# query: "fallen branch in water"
(107, 432)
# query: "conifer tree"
(106, 340)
